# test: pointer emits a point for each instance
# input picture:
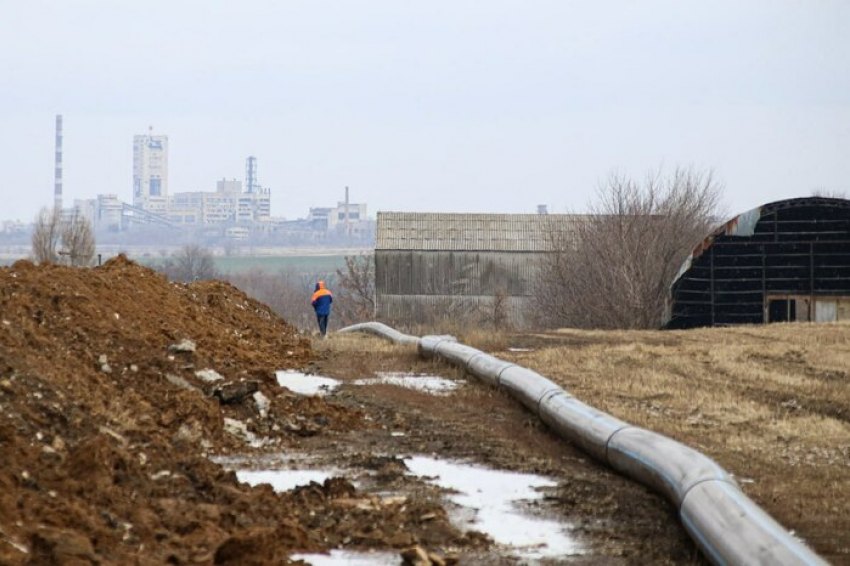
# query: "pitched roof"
(470, 232)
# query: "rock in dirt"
(235, 391)
(262, 402)
(180, 382)
(58, 546)
(239, 430)
(208, 375)
(415, 556)
(183, 347)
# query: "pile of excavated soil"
(115, 388)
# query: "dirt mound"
(115, 386)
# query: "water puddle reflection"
(426, 383)
(304, 384)
(490, 502)
(283, 480)
(345, 558)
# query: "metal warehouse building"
(437, 265)
(784, 261)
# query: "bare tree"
(77, 241)
(58, 240)
(613, 267)
(357, 288)
(46, 235)
(190, 263)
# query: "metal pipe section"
(383, 331)
(727, 526)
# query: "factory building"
(228, 204)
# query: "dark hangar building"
(784, 261)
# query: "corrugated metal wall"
(794, 250)
(415, 286)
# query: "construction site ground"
(770, 404)
(126, 400)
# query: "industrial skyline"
(235, 210)
(443, 106)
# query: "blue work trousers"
(323, 323)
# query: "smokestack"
(251, 174)
(57, 179)
(347, 225)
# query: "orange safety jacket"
(322, 299)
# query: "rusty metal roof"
(470, 232)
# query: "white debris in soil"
(490, 503)
(346, 558)
(184, 346)
(208, 375)
(304, 384)
(520, 349)
(262, 403)
(283, 480)
(425, 383)
(240, 430)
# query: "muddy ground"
(613, 520)
(117, 388)
(111, 427)
(771, 404)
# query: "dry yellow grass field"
(771, 404)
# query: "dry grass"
(771, 404)
(481, 336)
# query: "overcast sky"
(437, 105)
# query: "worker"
(321, 302)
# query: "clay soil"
(107, 433)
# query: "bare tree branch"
(613, 269)
(357, 288)
(68, 241)
(45, 237)
(190, 263)
(77, 241)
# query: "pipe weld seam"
(548, 394)
(611, 437)
(503, 370)
(702, 481)
(469, 361)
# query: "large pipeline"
(727, 526)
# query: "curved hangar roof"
(781, 250)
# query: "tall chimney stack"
(57, 179)
(347, 224)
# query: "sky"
(431, 106)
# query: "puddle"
(426, 383)
(283, 480)
(312, 385)
(490, 501)
(345, 558)
(304, 384)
